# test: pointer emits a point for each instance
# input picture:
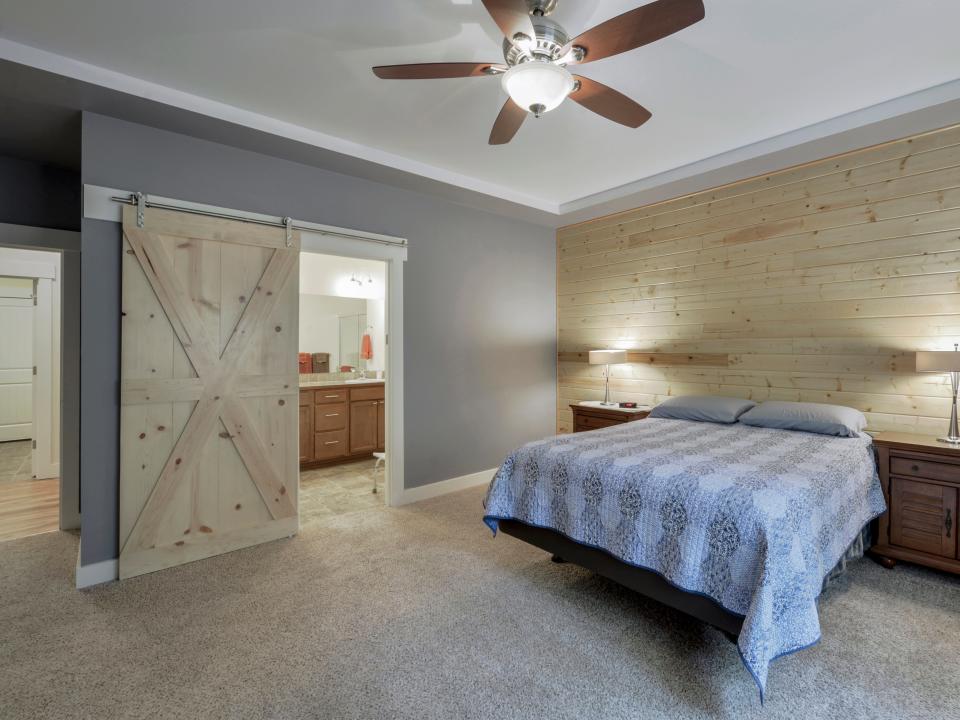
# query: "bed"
(735, 525)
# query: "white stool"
(381, 458)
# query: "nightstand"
(921, 483)
(593, 415)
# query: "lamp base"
(616, 405)
(949, 440)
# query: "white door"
(30, 354)
(16, 358)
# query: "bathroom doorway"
(343, 361)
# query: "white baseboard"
(96, 573)
(424, 492)
(108, 570)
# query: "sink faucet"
(363, 373)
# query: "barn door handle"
(949, 522)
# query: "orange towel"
(366, 348)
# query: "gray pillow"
(817, 418)
(702, 408)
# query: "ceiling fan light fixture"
(537, 86)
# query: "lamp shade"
(537, 87)
(607, 357)
(938, 361)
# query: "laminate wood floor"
(29, 507)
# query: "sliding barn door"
(209, 412)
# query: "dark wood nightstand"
(593, 416)
(921, 483)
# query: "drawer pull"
(915, 468)
(331, 442)
(949, 522)
(331, 415)
(331, 396)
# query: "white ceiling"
(331, 275)
(752, 70)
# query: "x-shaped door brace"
(218, 373)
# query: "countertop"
(306, 385)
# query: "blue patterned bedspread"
(751, 517)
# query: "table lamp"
(943, 361)
(608, 358)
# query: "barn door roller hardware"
(142, 201)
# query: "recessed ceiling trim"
(910, 114)
(85, 72)
(940, 99)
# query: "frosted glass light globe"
(537, 86)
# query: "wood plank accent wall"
(816, 283)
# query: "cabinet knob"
(915, 468)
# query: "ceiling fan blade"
(509, 120)
(609, 103)
(431, 71)
(637, 27)
(511, 16)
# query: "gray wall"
(479, 302)
(39, 195)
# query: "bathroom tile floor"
(15, 462)
(339, 489)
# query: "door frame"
(66, 243)
(394, 256)
(43, 272)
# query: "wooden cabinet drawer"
(323, 396)
(332, 416)
(306, 432)
(328, 445)
(373, 392)
(588, 422)
(923, 516)
(593, 417)
(924, 468)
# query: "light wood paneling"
(816, 284)
(208, 451)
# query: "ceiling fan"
(537, 52)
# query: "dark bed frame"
(645, 582)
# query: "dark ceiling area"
(40, 133)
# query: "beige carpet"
(418, 613)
